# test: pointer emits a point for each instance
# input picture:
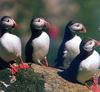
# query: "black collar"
(36, 33)
(69, 34)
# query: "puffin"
(69, 47)
(10, 46)
(37, 47)
(84, 67)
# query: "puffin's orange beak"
(97, 43)
(17, 26)
(83, 30)
(53, 31)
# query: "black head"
(6, 23)
(38, 24)
(72, 28)
(88, 44)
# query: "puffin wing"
(29, 51)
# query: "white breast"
(41, 46)
(71, 50)
(88, 67)
(10, 47)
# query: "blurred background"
(58, 12)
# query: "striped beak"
(97, 43)
(16, 26)
(83, 30)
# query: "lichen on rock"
(26, 81)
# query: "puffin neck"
(86, 54)
(69, 34)
(36, 33)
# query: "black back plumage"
(29, 51)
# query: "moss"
(4, 75)
(27, 81)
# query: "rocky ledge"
(55, 83)
(46, 79)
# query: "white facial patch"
(89, 45)
(8, 22)
(77, 26)
(39, 23)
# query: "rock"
(55, 83)
(39, 79)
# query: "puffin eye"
(77, 25)
(8, 20)
(38, 20)
(89, 43)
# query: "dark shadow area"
(3, 64)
